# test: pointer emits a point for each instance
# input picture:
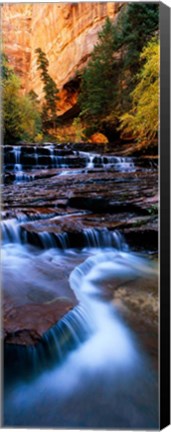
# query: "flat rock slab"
(132, 188)
(126, 201)
(37, 293)
(26, 324)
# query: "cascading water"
(90, 164)
(53, 157)
(14, 231)
(103, 238)
(48, 156)
(106, 369)
(36, 156)
(10, 231)
(106, 364)
(17, 153)
(18, 165)
(87, 368)
(119, 163)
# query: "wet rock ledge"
(59, 203)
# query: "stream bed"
(80, 282)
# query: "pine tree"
(98, 86)
(111, 74)
(137, 23)
(50, 90)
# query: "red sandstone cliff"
(66, 32)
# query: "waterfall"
(17, 153)
(13, 231)
(94, 160)
(73, 329)
(70, 359)
(52, 156)
(92, 321)
(63, 240)
(90, 164)
(47, 240)
(21, 159)
(90, 353)
(60, 162)
(17, 165)
(53, 240)
(20, 176)
(14, 155)
(10, 231)
(36, 156)
(102, 238)
(65, 336)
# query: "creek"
(72, 356)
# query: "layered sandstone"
(16, 22)
(66, 32)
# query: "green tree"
(31, 118)
(78, 129)
(136, 25)
(11, 113)
(98, 87)
(6, 70)
(21, 118)
(49, 88)
(111, 73)
(141, 122)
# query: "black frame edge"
(164, 216)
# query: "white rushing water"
(17, 153)
(107, 381)
(90, 369)
(49, 157)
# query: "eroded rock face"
(67, 33)
(16, 22)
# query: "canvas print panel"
(79, 221)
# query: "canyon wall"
(16, 21)
(66, 32)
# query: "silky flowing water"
(101, 376)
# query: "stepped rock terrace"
(60, 197)
(79, 241)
